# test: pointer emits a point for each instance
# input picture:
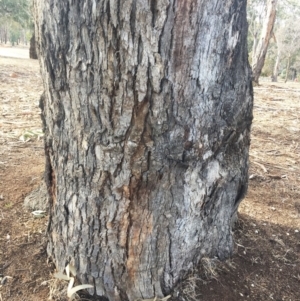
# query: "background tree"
(260, 50)
(290, 43)
(287, 31)
(275, 61)
(147, 114)
(255, 16)
(15, 21)
(32, 49)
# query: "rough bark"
(37, 199)
(258, 58)
(147, 113)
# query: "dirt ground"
(266, 261)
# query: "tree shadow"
(264, 266)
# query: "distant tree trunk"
(293, 74)
(287, 68)
(254, 46)
(5, 35)
(275, 70)
(147, 114)
(32, 48)
(262, 47)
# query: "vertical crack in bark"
(129, 232)
(153, 7)
(140, 50)
(119, 12)
(49, 172)
(170, 250)
(162, 40)
(107, 12)
(133, 19)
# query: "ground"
(265, 264)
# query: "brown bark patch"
(142, 227)
(181, 30)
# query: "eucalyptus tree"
(18, 10)
(255, 16)
(289, 43)
(260, 49)
(147, 113)
(287, 36)
(15, 17)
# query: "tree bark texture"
(147, 113)
(258, 58)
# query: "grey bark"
(147, 114)
(258, 58)
(38, 198)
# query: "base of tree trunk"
(32, 49)
(37, 199)
(274, 79)
(147, 114)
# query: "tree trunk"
(147, 114)
(275, 70)
(5, 35)
(287, 68)
(254, 46)
(32, 48)
(262, 47)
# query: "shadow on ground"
(265, 266)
